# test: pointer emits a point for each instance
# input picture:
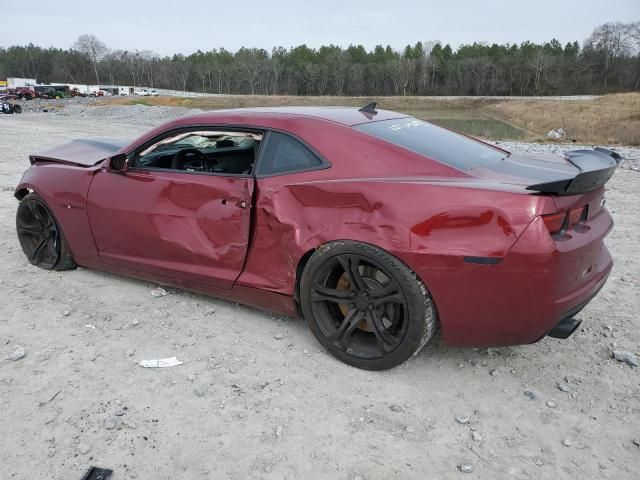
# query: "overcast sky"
(189, 25)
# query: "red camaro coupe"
(378, 227)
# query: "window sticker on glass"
(414, 123)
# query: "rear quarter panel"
(428, 225)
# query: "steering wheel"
(190, 159)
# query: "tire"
(386, 319)
(41, 236)
(17, 109)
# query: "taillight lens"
(554, 222)
(575, 216)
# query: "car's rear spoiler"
(596, 168)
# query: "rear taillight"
(558, 223)
(554, 222)
(575, 216)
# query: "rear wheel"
(366, 306)
(17, 109)
(41, 237)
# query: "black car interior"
(215, 154)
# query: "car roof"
(348, 116)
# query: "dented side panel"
(295, 214)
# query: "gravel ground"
(257, 398)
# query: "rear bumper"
(568, 324)
(533, 291)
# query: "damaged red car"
(377, 227)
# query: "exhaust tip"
(564, 328)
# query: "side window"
(212, 151)
(284, 154)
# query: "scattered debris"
(199, 391)
(135, 322)
(476, 436)
(88, 325)
(462, 419)
(278, 336)
(465, 467)
(17, 354)
(159, 292)
(563, 387)
(42, 404)
(495, 372)
(532, 394)
(111, 422)
(396, 408)
(556, 134)
(279, 431)
(625, 356)
(636, 442)
(566, 442)
(191, 377)
(160, 363)
(131, 352)
(95, 473)
(65, 313)
(551, 404)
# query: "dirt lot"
(257, 398)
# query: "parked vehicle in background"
(75, 92)
(24, 92)
(45, 91)
(8, 108)
(144, 92)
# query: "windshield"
(434, 142)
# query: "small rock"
(563, 387)
(495, 372)
(567, 442)
(636, 442)
(83, 448)
(198, 391)
(135, 322)
(191, 377)
(551, 404)
(279, 431)
(131, 352)
(532, 394)
(476, 436)
(626, 357)
(111, 423)
(17, 354)
(209, 312)
(52, 451)
(278, 336)
(159, 292)
(465, 467)
(65, 313)
(395, 408)
(462, 419)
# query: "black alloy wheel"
(366, 306)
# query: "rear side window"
(285, 154)
(434, 142)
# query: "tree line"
(607, 61)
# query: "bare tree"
(93, 48)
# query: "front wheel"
(41, 237)
(366, 306)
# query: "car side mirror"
(118, 163)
